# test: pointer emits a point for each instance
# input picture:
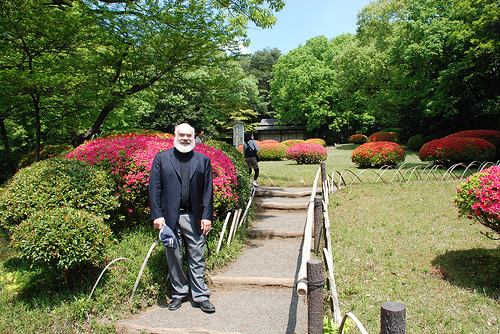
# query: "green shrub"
(479, 198)
(316, 141)
(378, 154)
(46, 152)
(272, 151)
(55, 183)
(415, 142)
(451, 150)
(62, 238)
(307, 153)
(291, 142)
(357, 139)
(384, 136)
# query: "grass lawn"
(406, 243)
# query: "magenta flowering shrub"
(378, 154)
(272, 151)
(479, 198)
(307, 153)
(129, 157)
(384, 136)
(291, 142)
(317, 141)
(451, 150)
(357, 139)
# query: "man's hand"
(158, 223)
(206, 225)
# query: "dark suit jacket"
(165, 188)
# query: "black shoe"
(175, 304)
(206, 306)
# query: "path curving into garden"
(256, 293)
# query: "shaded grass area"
(31, 301)
(405, 243)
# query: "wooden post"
(318, 222)
(323, 173)
(392, 318)
(315, 296)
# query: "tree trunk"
(5, 140)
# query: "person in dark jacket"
(181, 198)
(250, 150)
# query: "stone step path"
(256, 293)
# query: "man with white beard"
(181, 202)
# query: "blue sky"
(302, 20)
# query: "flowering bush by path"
(489, 135)
(129, 158)
(272, 151)
(46, 152)
(451, 150)
(384, 136)
(316, 141)
(291, 142)
(307, 153)
(269, 141)
(479, 198)
(378, 154)
(357, 139)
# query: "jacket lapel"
(175, 163)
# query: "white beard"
(184, 148)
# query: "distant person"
(250, 150)
(198, 138)
(181, 202)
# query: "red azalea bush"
(129, 157)
(291, 142)
(490, 135)
(479, 197)
(451, 150)
(316, 141)
(378, 154)
(272, 151)
(384, 136)
(307, 153)
(46, 152)
(357, 139)
(269, 141)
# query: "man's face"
(184, 138)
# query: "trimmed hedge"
(307, 153)
(479, 198)
(378, 154)
(490, 135)
(54, 183)
(46, 152)
(384, 136)
(357, 139)
(451, 150)
(316, 141)
(291, 142)
(272, 151)
(416, 142)
(62, 238)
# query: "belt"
(182, 210)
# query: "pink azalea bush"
(269, 141)
(452, 150)
(129, 157)
(307, 153)
(384, 136)
(272, 151)
(317, 141)
(357, 139)
(479, 198)
(378, 154)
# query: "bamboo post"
(222, 233)
(318, 222)
(315, 296)
(392, 318)
(233, 227)
(306, 245)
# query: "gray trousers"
(194, 245)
